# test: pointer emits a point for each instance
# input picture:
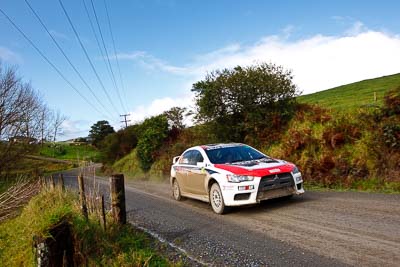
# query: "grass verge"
(370, 185)
(93, 246)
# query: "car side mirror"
(175, 159)
(201, 164)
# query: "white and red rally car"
(232, 175)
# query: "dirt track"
(316, 229)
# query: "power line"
(87, 55)
(97, 40)
(65, 56)
(48, 61)
(105, 49)
(115, 51)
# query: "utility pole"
(125, 120)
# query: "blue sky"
(165, 46)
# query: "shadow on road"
(273, 204)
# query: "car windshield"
(232, 154)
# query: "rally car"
(232, 174)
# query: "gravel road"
(316, 229)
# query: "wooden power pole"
(125, 120)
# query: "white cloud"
(73, 129)
(9, 56)
(318, 62)
(322, 62)
(160, 105)
(152, 62)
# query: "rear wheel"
(176, 190)
(217, 200)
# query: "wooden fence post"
(82, 195)
(42, 181)
(103, 212)
(52, 182)
(117, 191)
(62, 182)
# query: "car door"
(195, 179)
(182, 170)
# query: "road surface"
(316, 229)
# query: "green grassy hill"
(354, 95)
(69, 152)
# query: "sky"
(156, 49)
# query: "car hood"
(259, 169)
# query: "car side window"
(196, 157)
(191, 157)
(185, 159)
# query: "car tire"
(217, 200)
(176, 190)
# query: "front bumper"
(245, 193)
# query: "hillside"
(354, 95)
(356, 148)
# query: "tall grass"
(93, 246)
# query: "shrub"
(153, 132)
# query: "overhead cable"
(87, 56)
(106, 52)
(49, 62)
(65, 56)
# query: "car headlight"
(233, 178)
(295, 170)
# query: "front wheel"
(176, 191)
(217, 200)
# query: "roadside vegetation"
(36, 167)
(345, 138)
(92, 245)
(72, 152)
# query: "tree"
(21, 118)
(238, 102)
(44, 123)
(175, 117)
(56, 122)
(99, 131)
(116, 145)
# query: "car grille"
(276, 181)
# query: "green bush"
(117, 145)
(152, 134)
